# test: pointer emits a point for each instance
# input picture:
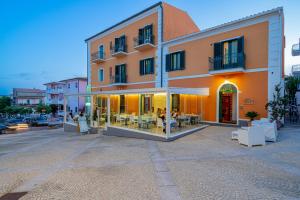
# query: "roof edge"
(260, 14)
(123, 21)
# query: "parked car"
(3, 128)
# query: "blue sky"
(42, 41)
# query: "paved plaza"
(52, 164)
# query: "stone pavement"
(52, 164)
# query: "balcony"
(142, 44)
(296, 70)
(296, 49)
(119, 51)
(54, 90)
(118, 80)
(227, 64)
(98, 57)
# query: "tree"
(4, 102)
(41, 108)
(277, 106)
(54, 108)
(291, 86)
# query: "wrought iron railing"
(118, 49)
(227, 61)
(99, 55)
(118, 79)
(140, 40)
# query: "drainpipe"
(161, 52)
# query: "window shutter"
(182, 60)
(141, 67)
(141, 37)
(152, 65)
(124, 74)
(168, 63)
(241, 44)
(218, 55)
(151, 33)
(241, 58)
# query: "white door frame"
(237, 101)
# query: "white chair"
(253, 136)
(270, 131)
(120, 119)
(269, 128)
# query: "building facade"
(157, 64)
(27, 97)
(55, 95)
(55, 92)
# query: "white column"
(92, 110)
(108, 111)
(65, 109)
(168, 128)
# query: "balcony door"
(145, 34)
(120, 73)
(229, 54)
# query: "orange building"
(157, 75)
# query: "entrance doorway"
(228, 104)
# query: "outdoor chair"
(269, 129)
(253, 136)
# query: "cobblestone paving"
(205, 165)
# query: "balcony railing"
(118, 80)
(119, 50)
(296, 49)
(140, 40)
(98, 57)
(296, 69)
(230, 61)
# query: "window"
(76, 109)
(69, 85)
(229, 54)
(120, 74)
(145, 34)
(175, 102)
(122, 103)
(175, 61)
(76, 85)
(120, 44)
(147, 66)
(101, 75)
(101, 52)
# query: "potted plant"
(252, 115)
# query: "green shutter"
(241, 57)
(152, 65)
(241, 44)
(141, 67)
(218, 55)
(168, 62)
(182, 60)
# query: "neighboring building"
(56, 91)
(27, 97)
(296, 73)
(55, 94)
(75, 86)
(158, 61)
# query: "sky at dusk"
(43, 41)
